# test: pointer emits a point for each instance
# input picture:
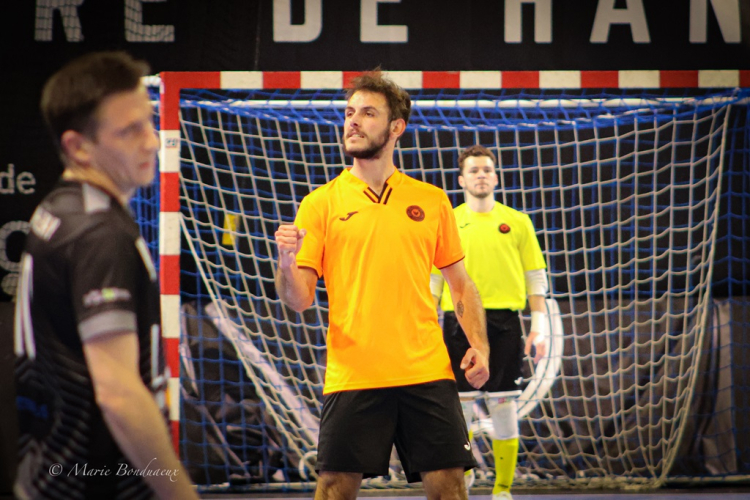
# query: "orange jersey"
(376, 253)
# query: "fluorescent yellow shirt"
(376, 253)
(500, 246)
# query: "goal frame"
(172, 83)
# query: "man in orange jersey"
(374, 234)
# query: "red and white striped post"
(169, 226)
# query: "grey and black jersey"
(85, 273)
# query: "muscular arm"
(471, 316)
(131, 413)
(295, 285)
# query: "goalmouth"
(620, 176)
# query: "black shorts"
(359, 428)
(506, 350)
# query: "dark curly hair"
(399, 102)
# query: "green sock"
(506, 454)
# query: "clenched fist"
(289, 240)
(476, 368)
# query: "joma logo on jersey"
(348, 216)
(105, 295)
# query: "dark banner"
(399, 34)
(297, 35)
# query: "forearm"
(292, 288)
(470, 313)
(138, 427)
(540, 325)
(537, 304)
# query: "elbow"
(116, 394)
(299, 308)
(112, 402)
(301, 305)
(296, 303)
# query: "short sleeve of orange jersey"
(310, 218)
(448, 250)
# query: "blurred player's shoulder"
(73, 209)
(76, 198)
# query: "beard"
(479, 194)
(372, 150)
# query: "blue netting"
(473, 110)
(623, 188)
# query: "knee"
(337, 486)
(504, 414)
(445, 484)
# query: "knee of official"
(504, 415)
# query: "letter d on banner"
(285, 31)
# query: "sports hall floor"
(722, 493)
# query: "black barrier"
(8, 420)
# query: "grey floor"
(723, 493)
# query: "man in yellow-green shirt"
(505, 261)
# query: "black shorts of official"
(359, 428)
(506, 350)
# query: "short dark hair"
(475, 150)
(71, 96)
(399, 102)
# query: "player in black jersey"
(90, 370)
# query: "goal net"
(623, 189)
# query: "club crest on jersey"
(504, 228)
(415, 213)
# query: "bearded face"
(367, 126)
(364, 147)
